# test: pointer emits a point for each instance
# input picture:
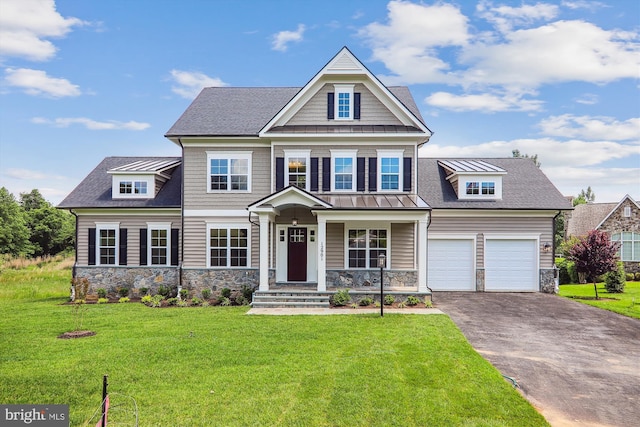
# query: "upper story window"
(627, 211)
(489, 188)
(297, 164)
(484, 188)
(343, 102)
(343, 167)
(229, 171)
(390, 170)
(133, 187)
(473, 188)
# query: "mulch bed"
(76, 334)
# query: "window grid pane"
(298, 172)
(228, 247)
(125, 187)
(229, 174)
(108, 247)
(473, 188)
(390, 173)
(343, 173)
(159, 247)
(365, 246)
(344, 102)
(488, 188)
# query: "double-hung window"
(343, 165)
(297, 168)
(343, 102)
(390, 170)
(364, 245)
(107, 244)
(629, 245)
(473, 187)
(489, 188)
(228, 246)
(229, 171)
(159, 245)
(132, 188)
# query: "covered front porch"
(331, 242)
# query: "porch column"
(322, 254)
(422, 254)
(264, 252)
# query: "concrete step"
(291, 299)
(289, 304)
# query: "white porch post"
(264, 252)
(422, 253)
(322, 255)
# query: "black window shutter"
(330, 105)
(360, 173)
(373, 173)
(92, 246)
(406, 172)
(356, 106)
(326, 174)
(175, 244)
(123, 247)
(143, 246)
(279, 173)
(314, 174)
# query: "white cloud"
(588, 99)
(486, 102)
(507, 17)
(591, 128)
(189, 83)
(37, 82)
(26, 174)
(584, 4)
(282, 39)
(25, 26)
(608, 184)
(64, 122)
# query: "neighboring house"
(308, 187)
(620, 220)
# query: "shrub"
(389, 299)
(172, 301)
(146, 299)
(630, 277)
(123, 292)
(402, 304)
(144, 291)
(196, 301)
(80, 287)
(241, 300)
(247, 292)
(573, 272)
(102, 300)
(365, 301)
(225, 293)
(205, 303)
(413, 300)
(182, 302)
(225, 301)
(614, 281)
(206, 293)
(428, 303)
(102, 293)
(156, 300)
(184, 294)
(563, 271)
(341, 298)
(124, 299)
(637, 277)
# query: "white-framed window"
(132, 187)
(159, 243)
(297, 168)
(229, 171)
(107, 240)
(390, 170)
(364, 245)
(627, 211)
(343, 170)
(228, 246)
(629, 245)
(343, 103)
(485, 188)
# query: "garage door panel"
(450, 265)
(511, 265)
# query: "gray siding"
(498, 224)
(402, 244)
(196, 179)
(335, 245)
(132, 223)
(372, 111)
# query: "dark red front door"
(297, 255)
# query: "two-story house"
(307, 187)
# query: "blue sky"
(82, 80)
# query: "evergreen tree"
(51, 230)
(14, 233)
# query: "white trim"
(479, 179)
(344, 154)
(338, 89)
(390, 154)
(166, 226)
(148, 179)
(368, 225)
(108, 226)
(216, 212)
(229, 155)
(227, 225)
(306, 154)
(488, 213)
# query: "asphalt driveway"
(578, 365)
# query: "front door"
(297, 254)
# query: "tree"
(33, 200)
(594, 255)
(51, 230)
(534, 158)
(14, 233)
(584, 197)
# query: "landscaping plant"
(594, 255)
(615, 280)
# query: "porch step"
(291, 299)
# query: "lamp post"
(381, 263)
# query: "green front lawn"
(216, 366)
(626, 303)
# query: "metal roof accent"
(376, 201)
(470, 166)
(155, 166)
(343, 129)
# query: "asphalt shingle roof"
(587, 217)
(524, 186)
(95, 190)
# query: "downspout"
(72, 292)
(427, 252)
(181, 257)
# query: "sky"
(81, 80)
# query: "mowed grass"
(216, 366)
(626, 303)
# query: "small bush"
(184, 294)
(241, 300)
(206, 293)
(225, 293)
(164, 290)
(413, 300)
(80, 287)
(636, 277)
(124, 299)
(389, 299)
(196, 301)
(402, 304)
(247, 292)
(563, 271)
(156, 300)
(123, 292)
(144, 291)
(225, 301)
(172, 301)
(182, 303)
(615, 280)
(102, 300)
(102, 293)
(354, 305)
(573, 273)
(428, 303)
(630, 277)
(205, 303)
(365, 301)
(341, 298)
(146, 300)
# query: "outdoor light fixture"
(547, 247)
(294, 221)
(382, 259)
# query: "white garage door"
(511, 265)
(450, 265)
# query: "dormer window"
(474, 179)
(489, 188)
(133, 187)
(473, 188)
(141, 179)
(343, 103)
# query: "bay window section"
(228, 246)
(364, 247)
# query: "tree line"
(32, 227)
